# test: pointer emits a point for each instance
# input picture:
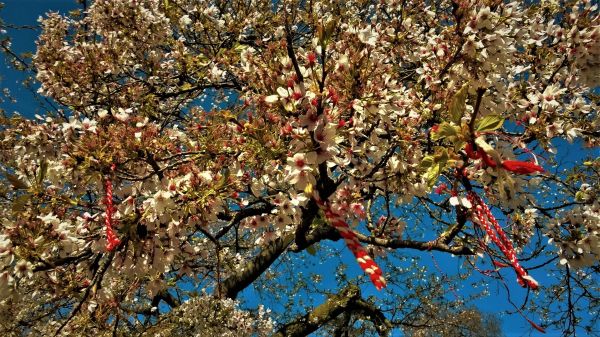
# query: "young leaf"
(459, 104)
(433, 173)
(445, 130)
(489, 123)
(427, 161)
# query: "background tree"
(203, 147)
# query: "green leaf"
(458, 104)
(581, 196)
(445, 130)
(432, 174)
(459, 144)
(442, 156)
(435, 166)
(427, 161)
(239, 48)
(311, 250)
(489, 123)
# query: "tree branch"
(437, 245)
(253, 269)
(310, 322)
(349, 300)
(292, 55)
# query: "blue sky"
(26, 12)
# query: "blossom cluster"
(195, 141)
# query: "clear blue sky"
(26, 12)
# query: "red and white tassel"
(365, 261)
(111, 237)
(485, 218)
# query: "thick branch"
(333, 307)
(253, 269)
(324, 232)
(311, 208)
(450, 234)
(347, 301)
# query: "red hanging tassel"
(485, 217)
(521, 167)
(365, 261)
(111, 238)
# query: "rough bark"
(253, 269)
(310, 322)
(348, 301)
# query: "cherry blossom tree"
(200, 149)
